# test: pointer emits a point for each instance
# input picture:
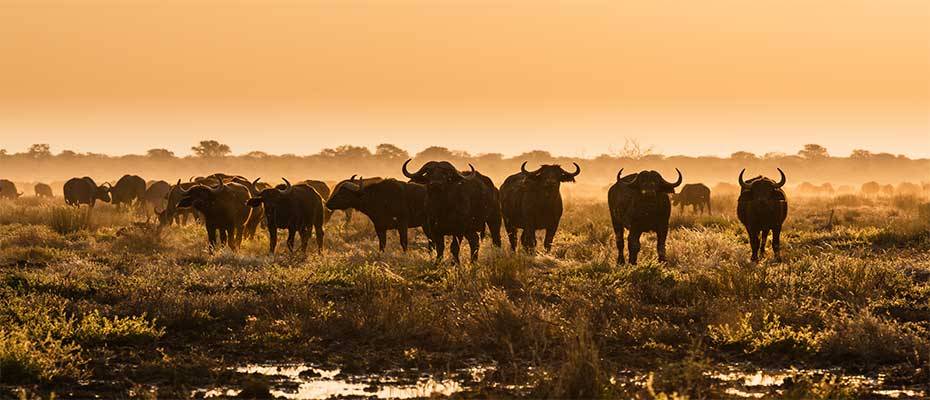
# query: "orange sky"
(689, 77)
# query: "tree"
(744, 156)
(774, 155)
(347, 151)
(435, 153)
(256, 154)
(391, 152)
(211, 149)
(859, 154)
(41, 150)
(67, 154)
(535, 155)
(814, 152)
(633, 150)
(159, 153)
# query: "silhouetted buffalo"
(155, 196)
(531, 201)
(8, 190)
(323, 190)
(42, 190)
(696, 195)
(128, 190)
(171, 213)
(297, 208)
(495, 215)
(353, 180)
(639, 202)
(762, 207)
(456, 205)
(84, 190)
(390, 204)
(223, 207)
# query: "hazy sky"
(571, 77)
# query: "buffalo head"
(550, 175)
(651, 182)
(199, 195)
(436, 173)
(761, 188)
(348, 194)
(102, 192)
(271, 196)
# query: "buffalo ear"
(185, 202)
(566, 177)
(254, 202)
(670, 190)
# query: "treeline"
(812, 164)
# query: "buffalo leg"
(512, 237)
(224, 240)
(272, 239)
(528, 239)
(618, 234)
(550, 234)
(776, 242)
(754, 243)
(402, 236)
(305, 233)
(709, 212)
(494, 225)
(211, 237)
(440, 242)
(382, 238)
(454, 248)
(633, 244)
(319, 236)
(661, 236)
(290, 239)
(474, 243)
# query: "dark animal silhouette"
(84, 190)
(696, 195)
(323, 190)
(389, 203)
(171, 213)
(363, 181)
(456, 205)
(224, 210)
(43, 190)
(129, 190)
(495, 214)
(297, 208)
(531, 201)
(762, 207)
(155, 196)
(639, 202)
(8, 190)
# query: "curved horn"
(255, 181)
(189, 180)
(219, 179)
(288, 183)
(180, 189)
(619, 173)
(743, 183)
(353, 177)
(413, 175)
(577, 170)
(678, 182)
(523, 168)
(783, 179)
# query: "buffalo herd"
(438, 198)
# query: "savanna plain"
(102, 304)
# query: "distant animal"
(43, 190)
(156, 196)
(762, 207)
(171, 213)
(8, 190)
(223, 207)
(495, 213)
(888, 190)
(640, 203)
(129, 190)
(696, 195)
(870, 188)
(389, 203)
(456, 205)
(363, 181)
(297, 208)
(531, 201)
(908, 188)
(84, 190)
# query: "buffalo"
(456, 205)
(495, 215)
(640, 202)
(8, 190)
(354, 181)
(696, 195)
(42, 190)
(531, 201)
(155, 196)
(323, 190)
(171, 213)
(84, 190)
(223, 207)
(297, 208)
(762, 207)
(389, 203)
(129, 190)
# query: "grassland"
(100, 304)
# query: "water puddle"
(762, 383)
(294, 381)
